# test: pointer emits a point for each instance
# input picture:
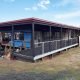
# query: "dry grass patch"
(68, 60)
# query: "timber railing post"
(65, 43)
(56, 44)
(61, 39)
(68, 36)
(43, 48)
(50, 34)
(32, 41)
(12, 37)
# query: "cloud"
(34, 8)
(43, 4)
(30, 9)
(68, 15)
(27, 9)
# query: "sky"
(61, 11)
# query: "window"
(19, 36)
(57, 35)
(38, 36)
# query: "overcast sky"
(61, 11)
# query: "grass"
(65, 66)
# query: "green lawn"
(65, 66)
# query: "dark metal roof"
(37, 21)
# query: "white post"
(71, 41)
(79, 41)
(43, 48)
(56, 44)
(65, 43)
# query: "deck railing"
(48, 46)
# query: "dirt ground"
(65, 66)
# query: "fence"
(44, 47)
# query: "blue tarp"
(27, 39)
(18, 43)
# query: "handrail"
(43, 47)
(54, 40)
